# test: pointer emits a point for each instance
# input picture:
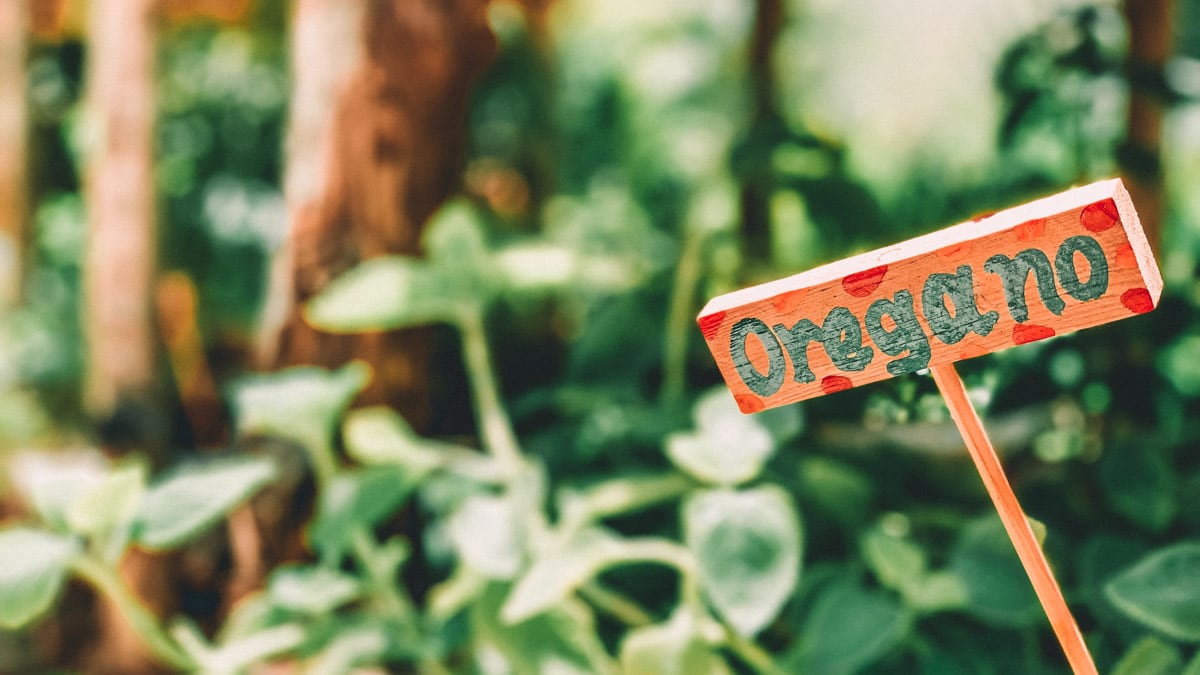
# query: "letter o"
(1068, 276)
(759, 383)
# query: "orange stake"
(1015, 523)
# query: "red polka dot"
(1100, 216)
(1137, 300)
(835, 383)
(1031, 230)
(861, 284)
(1024, 333)
(749, 404)
(709, 325)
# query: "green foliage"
(1162, 591)
(747, 546)
(36, 567)
(194, 499)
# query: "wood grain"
(1070, 261)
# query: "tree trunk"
(14, 24)
(376, 144)
(1149, 48)
(119, 189)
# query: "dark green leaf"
(1150, 656)
(747, 546)
(849, 627)
(1140, 485)
(998, 589)
(195, 498)
(354, 500)
(1162, 591)
(35, 565)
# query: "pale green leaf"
(935, 592)
(196, 497)
(727, 447)
(671, 648)
(847, 628)
(747, 546)
(311, 590)
(563, 641)
(1150, 656)
(50, 482)
(110, 504)
(35, 566)
(387, 293)
(1162, 591)
(487, 536)
(301, 404)
(454, 235)
(556, 575)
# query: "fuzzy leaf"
(1162, 591)
(747, 545)
(195, 498)
(35, 566)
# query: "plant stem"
(616, 605)
(494, 424)
(751, 654)
(679, 320)
(147, 627)
(385, 587)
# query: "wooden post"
(1070, 261)
(1033, 559)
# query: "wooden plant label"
(1049, 267)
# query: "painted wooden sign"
(1049, 267)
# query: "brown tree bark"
(1149, 48)
(119, 190)
(376, 145)
(14, 27)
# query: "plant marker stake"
(1033, 559)
(1064, 263)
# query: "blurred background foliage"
(625, 161)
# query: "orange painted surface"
(1101, 213)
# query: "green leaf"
(747, 546)
(987, 563)
(311, 590)
(487, 535)
(380, 435)
(936, 591)
(671, 648)
(848, 627)
(109, 505)
(727, 447)
(50, 482)
(387, 293)
(1139, 485)
(454, 236)
(838, 490)
(354, 500)
(1162, 591)
(563, 641)
(556, 575)
(301, 404)
(1150, 656)
(195, 497)
(1193, 666)
(35, 566)
(896, 561)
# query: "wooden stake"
(1015, 523)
